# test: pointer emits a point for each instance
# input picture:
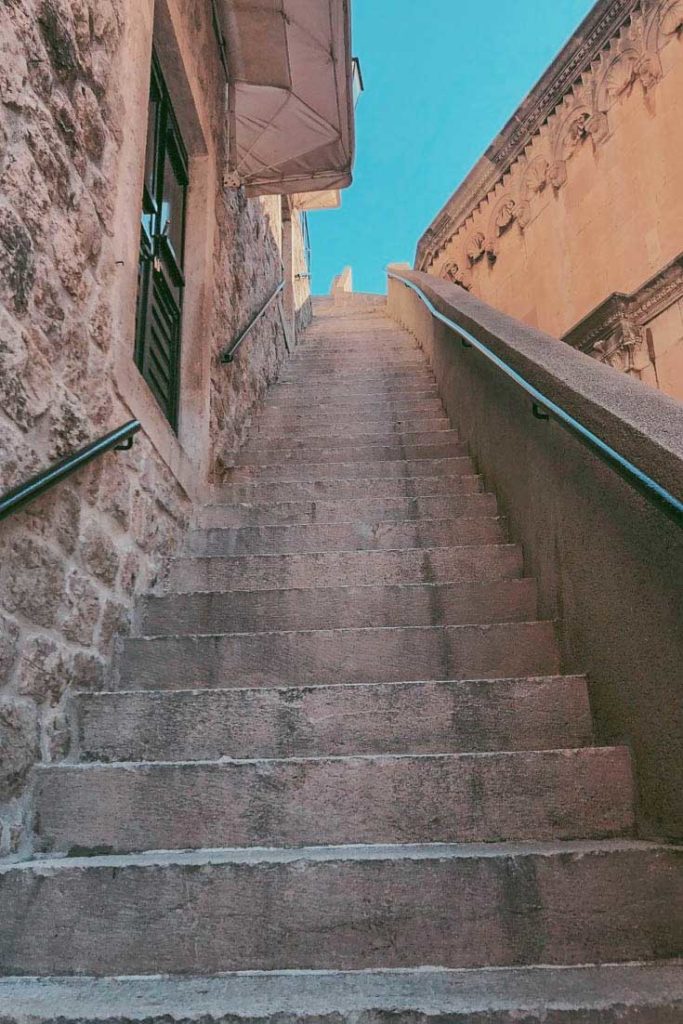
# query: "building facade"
(573, 219)
(141, 229)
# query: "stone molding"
(615, 50)
(615, 332)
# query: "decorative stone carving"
(671, 23)
(597, 127)
(452, 272)
(476, 248)
(574, 134)
(621, 348)
(615, 332)
(620, 76)
(524, 214)
(557, 174)
(535, 179)
(649, 70)
(504, 216)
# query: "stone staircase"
(339, 776)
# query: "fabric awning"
(291, 102)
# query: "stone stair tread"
(384, 798)
(311, 657)
(466, 562)
(367, 535)
(534, 713)
(384, 469)
(290, 997)
(278, 491)
(344, 511)
(354, 606)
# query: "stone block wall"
(74, 76)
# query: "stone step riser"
(319, 657)
(338, 607)
(276, 492)
(453, 798)
(351, 430)
(279, 406)
(467, 564)
(383, 378)
(298, 393)
(206, 915)
(397, 469)
(364, 455)
(328, 721)
(331, 442)
(397, 510)
(365, 412)
(349, 537)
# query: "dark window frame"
(161, 279)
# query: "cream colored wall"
(615, 222)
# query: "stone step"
(382, 718)
(369, 414)
(381, 470)
(328, 364)
(278, 491)
(430, 604)
(314, 657)
(636, 993)
(359, 536)
(287, 409)
(360, 454)
(332, 442)
(350, 431)
(430, 798)
(348, 908)
(424, 387)
(386, 377)
(351, 510)
(467, 564)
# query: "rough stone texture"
(455, 798)
(72, 564)
(434, 717)
(346, 908)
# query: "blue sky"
(441, 77)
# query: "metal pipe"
(228, 354)
(121, 438)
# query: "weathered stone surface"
(18, 743)
(32, 579)
(343, 908)
(43, 671)
(9, 635)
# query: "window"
(162, 242)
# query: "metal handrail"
(120, 439)
(544, 407)
(228, 354)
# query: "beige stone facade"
(573, 219)
(74, 95)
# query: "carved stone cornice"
(616, 328)
(601, 25)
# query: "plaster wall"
(74, 82)
(608, 563)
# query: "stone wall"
(573, 220)
(74, 79)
